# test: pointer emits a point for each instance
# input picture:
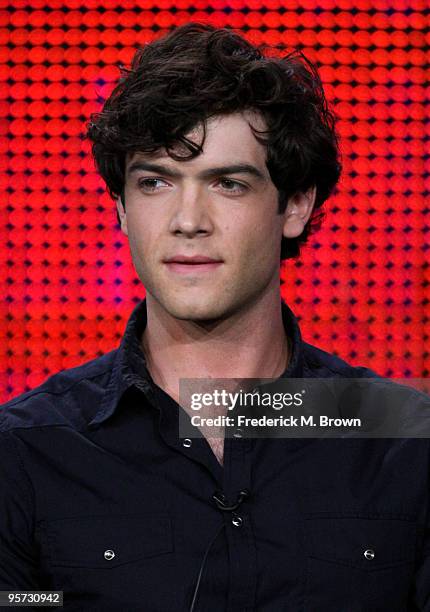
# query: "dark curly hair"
(197, 71)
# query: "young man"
(219, 160)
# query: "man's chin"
(204, 312)
(198, 315)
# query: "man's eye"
(151, 184)
(232, 186)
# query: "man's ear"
(298, 212)
(121, 214)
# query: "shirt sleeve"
(421, 599)
(18, 552)
(420, 595)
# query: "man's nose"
(191, 213)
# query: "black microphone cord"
(196, 590)
(224, 506)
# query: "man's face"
(221, 205)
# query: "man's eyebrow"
(232, 169)
(204, 174)
(150, 167)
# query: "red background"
(360, 288)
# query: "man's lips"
(183, 264)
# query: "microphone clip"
(222, 504)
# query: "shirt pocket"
(358, 563)
(106, 541)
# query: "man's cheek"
(252, 249)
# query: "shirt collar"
(129, 366)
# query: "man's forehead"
(226, 136)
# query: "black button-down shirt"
(101, 498)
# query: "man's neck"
(249, 344)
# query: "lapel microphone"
(224, 506)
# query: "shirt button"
(109, 555)
(237, 521)
(187, 443)
(369, 554)
(238, 433)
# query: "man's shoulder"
(321, 364)
(400, 404)
(68, 398)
